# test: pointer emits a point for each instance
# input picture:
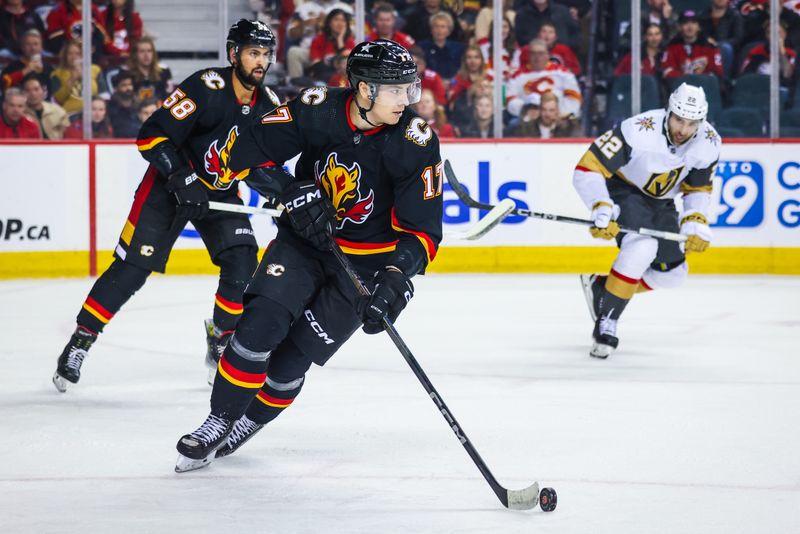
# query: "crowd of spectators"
(545, 58)
(41, 70)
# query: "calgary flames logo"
(341, 184)
(216, 162)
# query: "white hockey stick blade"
(495, 216)
(524, 499)
(237, 208)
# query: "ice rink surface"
(692, 426)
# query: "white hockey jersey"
(637, 152)
(554, 78)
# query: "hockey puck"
(548, 499)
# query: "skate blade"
(586, 283)
(601, 351)
(184, 464)
(60, 382)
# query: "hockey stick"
(472, 203)
(524, 499)
(476, 231)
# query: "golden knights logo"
(659, 185)
(216, 162)
(646, 123)
(341, 184)
(712, 136)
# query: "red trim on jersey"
(228, 303)
(582, 168)
(425, 240)
(353, 126)
(141, 195)
(624, 278)
(365, 246)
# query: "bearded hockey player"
(631, 175)
(187, 143)
(371, 174)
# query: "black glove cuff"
(181, 179)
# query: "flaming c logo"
(216, 162)
(341, 184)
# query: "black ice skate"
(196, 450)
(592, 288)
(216, 341)
(243, 430)
(71, 359)
(605, 338)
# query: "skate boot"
(216, 341)
(605, 337)
(243, 430)
(71, 359)
(196, 450)
(592, 286)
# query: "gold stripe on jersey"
(659, 184)
(147, 144)
(589, 161)
(686, 188)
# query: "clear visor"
(404, 94)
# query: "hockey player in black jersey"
(187, 142)
(370, 173)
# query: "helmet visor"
(402, 94)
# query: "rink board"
(63, 215)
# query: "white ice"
(691, 427)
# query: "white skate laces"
(211, 430)
(75, 358)
(243, 427)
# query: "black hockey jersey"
(197, 125)
(385, 183)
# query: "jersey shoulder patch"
(644, 131)
(213, 79)
(418, 131)
(272, 96)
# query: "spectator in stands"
(67, 79)
(122, 109)
(64, 24)
(123, 26)
(535, 12)
(482, 123)
(758, 61)
(15, 21)
(434, 114)
(429, 78)
(145, 108)
(101, 125)
(539, 75)
(51, 118)
(723, 26)
(418, 22)
(302, 28)
(472, 71)
(560, 54)
(484, 20)
(15, 125)
(652, 52)
(511, 53)
(335, 39)
(151, 78)
(660, 12)
(339, 78)
(385, 26)
(442, 54)
(30, 61)
(548, 125)
(690, 52)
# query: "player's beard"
(250, 79)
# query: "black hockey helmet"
(250, 33)
(380, 62)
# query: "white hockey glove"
(604, 217)
(695, 225)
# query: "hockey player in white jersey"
(631, 175)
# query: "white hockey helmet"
(688, 102)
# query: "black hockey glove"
(189, 192)
(310, 212)
(393, 290)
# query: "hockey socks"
(109, 293)
(237, 265)
(240, 374)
